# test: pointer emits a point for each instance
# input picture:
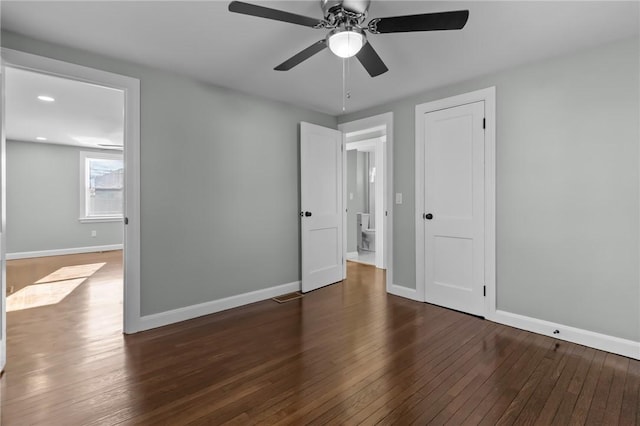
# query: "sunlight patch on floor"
(72, 272)
(37, 295)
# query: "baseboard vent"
(288, 297)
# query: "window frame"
(83, 177)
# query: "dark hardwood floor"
(344, 354)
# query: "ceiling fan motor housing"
(337, 7)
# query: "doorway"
(323, 201)
(111, 184)
(365, 210)
(368, 216)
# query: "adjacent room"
(365, 195)
(65, 176)
(320, 212)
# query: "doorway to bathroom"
(367, 186)
(362, 197)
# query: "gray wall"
(357, 185)
(361, 182)
(567, 187)
(371, 189)
(352, 204)
(219, 183)
(43, 200)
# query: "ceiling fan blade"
(371, 61)
(454, 20)
(278, 15)
(302, 56)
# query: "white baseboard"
(352, 255)
(148, 322)
(60, 252)
(604, 342)
(408, 293)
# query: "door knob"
(307, 214)
(428, 216)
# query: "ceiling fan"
(347, 38)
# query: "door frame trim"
(3, 223)
(385, 119)
(131, 88)
(488, 95)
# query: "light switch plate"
(398, 197)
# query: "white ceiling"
(205, 41)
(82, 114)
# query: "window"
(101, 186)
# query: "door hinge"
(126, 220)
(484, 290)
(484, 123)
(386, 213)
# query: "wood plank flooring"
(345, 354)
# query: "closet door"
(454, 207)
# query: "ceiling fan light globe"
(346, 43)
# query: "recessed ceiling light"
(45, 98)
(40, 138)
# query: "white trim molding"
(352, 255)
(488, 96)
(100, 219)
(365, 145)
(3, 223)
(148, 322)
(131, 88)
(62, 252)
(604, 342)
(406, 292)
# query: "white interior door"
(321, 206)
(454, 207)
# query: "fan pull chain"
(346, 94)
(348, 74)
(344, 84)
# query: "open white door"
(321, 206)
(3, 275)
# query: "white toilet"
(366, 235)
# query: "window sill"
(100, 219)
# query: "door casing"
(487, 95)
(3, 216)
